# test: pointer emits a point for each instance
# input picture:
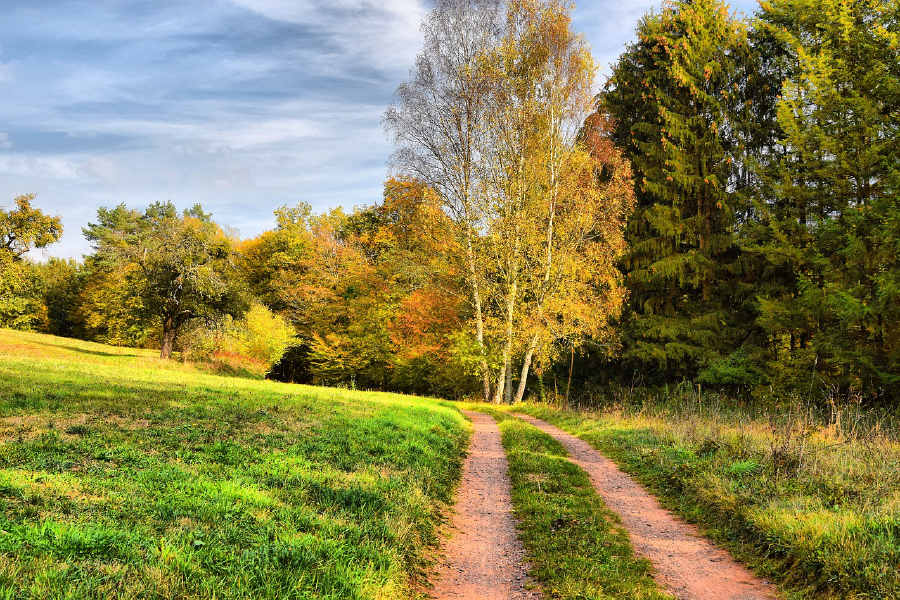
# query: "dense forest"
(725, 213)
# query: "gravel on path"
(685, 563)
(484, 560)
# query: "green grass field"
(122, 476)
(811, 502)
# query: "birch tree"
(436, 122)
(493, 120)
(559, 190)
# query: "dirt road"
(484, 558)
(685, 563)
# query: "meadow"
(123, 476)
(809, 497)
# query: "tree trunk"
(506, 374)
(571, 367)
(479, 318)
(526, 365)
(171, 327)
(507, 391)
(168, 337)
(501, 382)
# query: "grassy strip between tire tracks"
(574, 545)
(813, 509)
(125, 477)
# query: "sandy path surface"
(685, 563)
(484, 558)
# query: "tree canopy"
(23, 229)
(724, 213)
(181, 267)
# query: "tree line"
(725, 212)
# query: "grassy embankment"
(122, 476)
(574, 544)
(810, 501)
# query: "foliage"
(537, 230)
(125, 476)
(109, 310)
(25, 228)
(672, 96)
(179, 267)
(832, 215)
(437, 123)
(63, 281)
(760, 157)
(22, 229)
(763, 250)
(372, 294)
(21, 305)
(251, 344)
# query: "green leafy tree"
(184, 265)
(63, 281)
(108, 310)
(22, 229)
(25, 228)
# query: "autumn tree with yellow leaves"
(543, 205)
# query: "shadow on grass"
(133, 351)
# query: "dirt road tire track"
(685, 563)
(484, 559)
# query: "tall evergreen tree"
(674, 95)
(834, 220)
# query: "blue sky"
(240, 105)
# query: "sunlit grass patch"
(125, 477)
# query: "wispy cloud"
(383, 34)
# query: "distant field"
(122, 476)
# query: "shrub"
(250, 345)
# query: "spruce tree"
(835, 210)
(673, 95)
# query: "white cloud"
(5, 143)
(380, 33)
(101, 169)
(6, 71)
(52, 168)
